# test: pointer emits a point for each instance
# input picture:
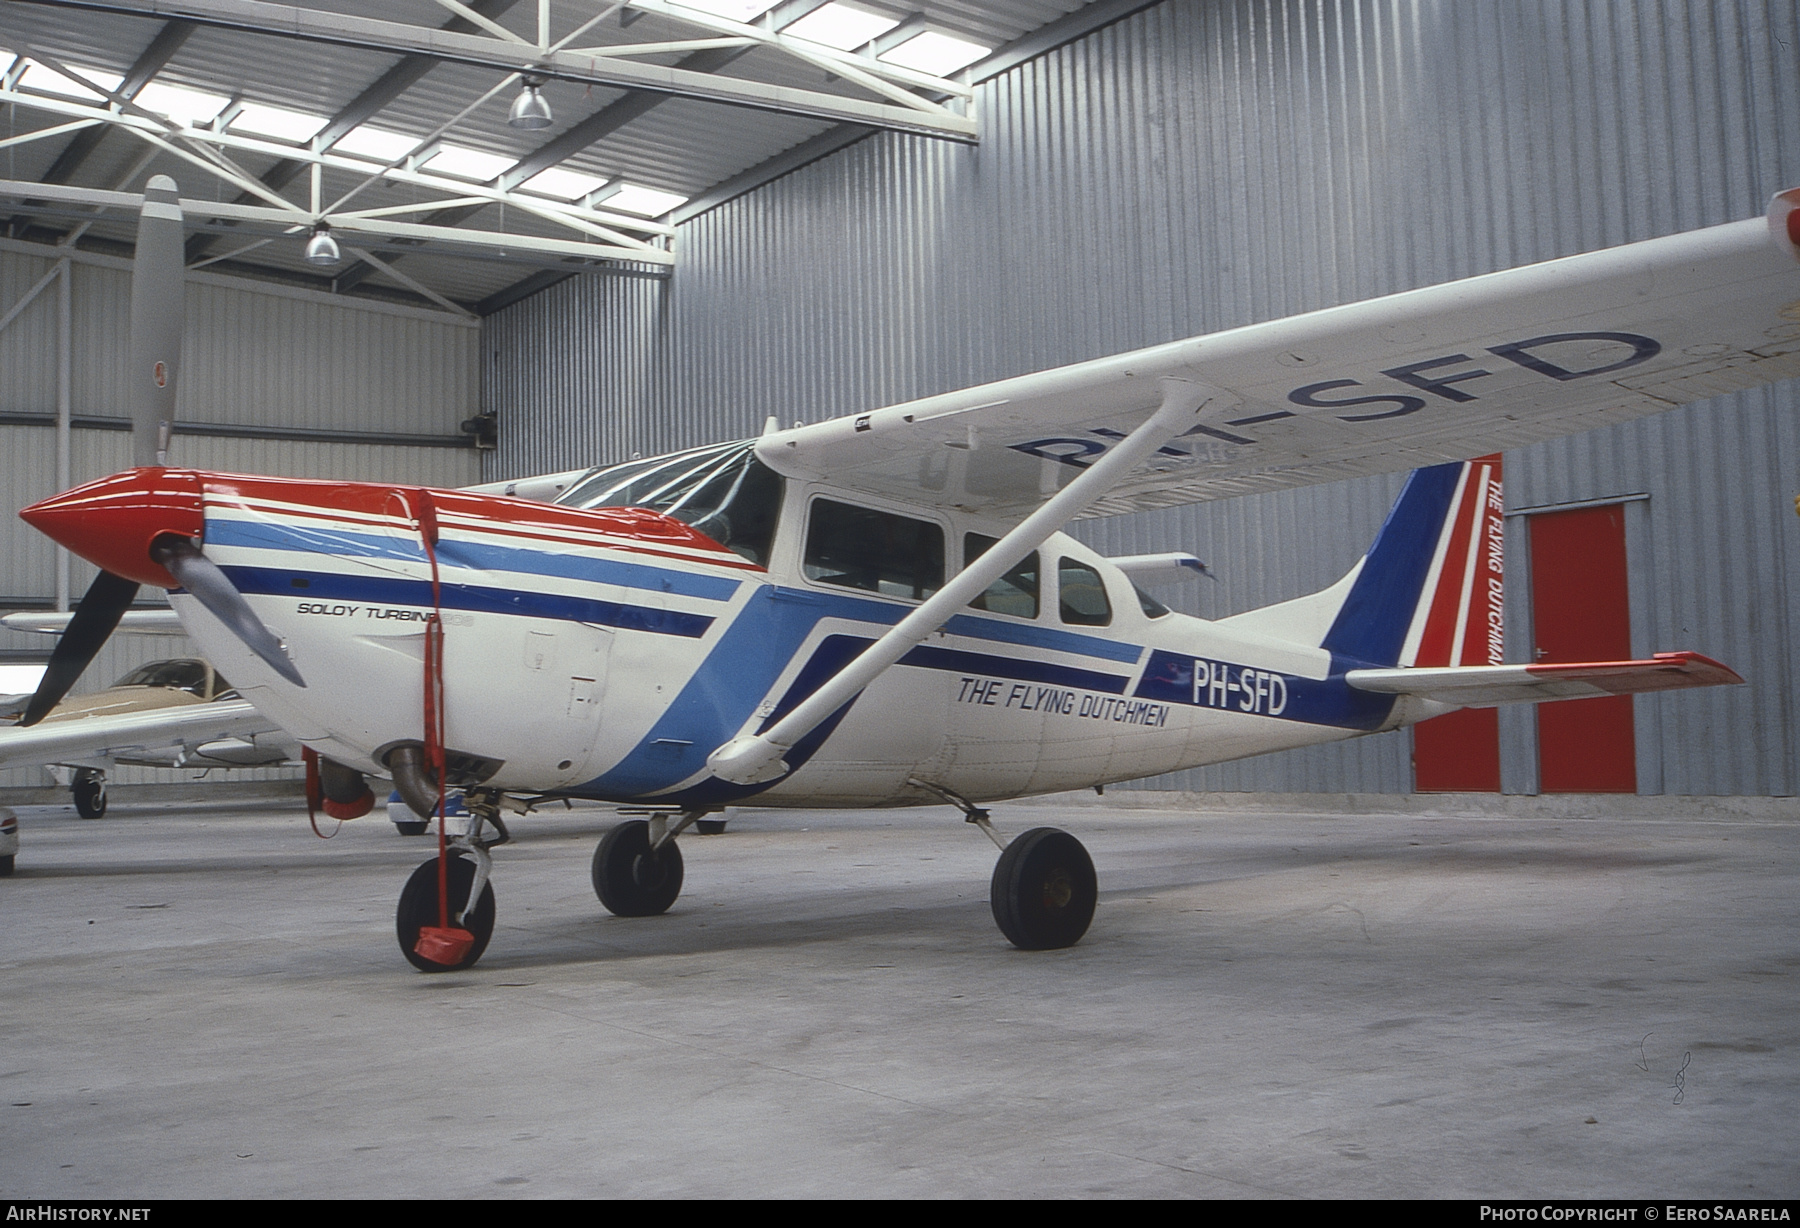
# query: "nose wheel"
(419, 908)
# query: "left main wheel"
(631, 880)
(419, 908)
(1044, 890)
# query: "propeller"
(158, 294)
(208, 585)
(95, 617)
(158, 290)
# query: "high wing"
(228, 732)
(1475, 686)
(1413, 379)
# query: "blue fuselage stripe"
(478, 556)
(381, 590)
(1030, 636)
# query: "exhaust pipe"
(407, 762)
(347, 794)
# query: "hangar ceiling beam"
(407, 72)
(596, 127)
(904, 110)
(531, 248)
(161, 50)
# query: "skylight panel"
(737, 10)
(284, 125)
(840, 26)
(938, 54)
(563, 185)
(49, 81)
(467, 163)
(646, 202)
(377, 144)
(183, 105)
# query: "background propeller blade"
(94, 619)
(158, 305)
(211, 587)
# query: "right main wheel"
(631, 880)
(1044, 890)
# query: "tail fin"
(1429, 590)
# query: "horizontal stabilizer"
(1477, 686)
(1160, 568)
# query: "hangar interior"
(724, 217)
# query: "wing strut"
(752, 759)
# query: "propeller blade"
(211, 587)
(99, 612)
(158, 303)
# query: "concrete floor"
(207, 1001)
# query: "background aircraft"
(880, 609)
(173, 714)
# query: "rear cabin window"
(1014, 593)
(877, 552)
(724, 492)
(1084, 602)
(1151, 607)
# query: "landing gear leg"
(637, 868)
(467, 875)
(89, 791)
(1044, 887)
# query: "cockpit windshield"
(186, 675)
(724, 492)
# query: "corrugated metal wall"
(253, 356)
(1202, 165)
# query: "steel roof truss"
(600, 223)
(904, 110)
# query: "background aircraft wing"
(1442, 373)
(132, 622)
(157, 735)
(1477, 686)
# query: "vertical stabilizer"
(1429, 591)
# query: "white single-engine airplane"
(881, 610)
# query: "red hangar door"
(1581, 611)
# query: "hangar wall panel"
(1203, 165)
(256, 358)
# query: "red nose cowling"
(112, 522)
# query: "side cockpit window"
(1084, 600)
(723, 492)
(1016, 592)
(878, 552)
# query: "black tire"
(629, 879)
(89, 791)
(419, 908)
(413, 829)
(6, 865)
(710, 827)
(1044, 890)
